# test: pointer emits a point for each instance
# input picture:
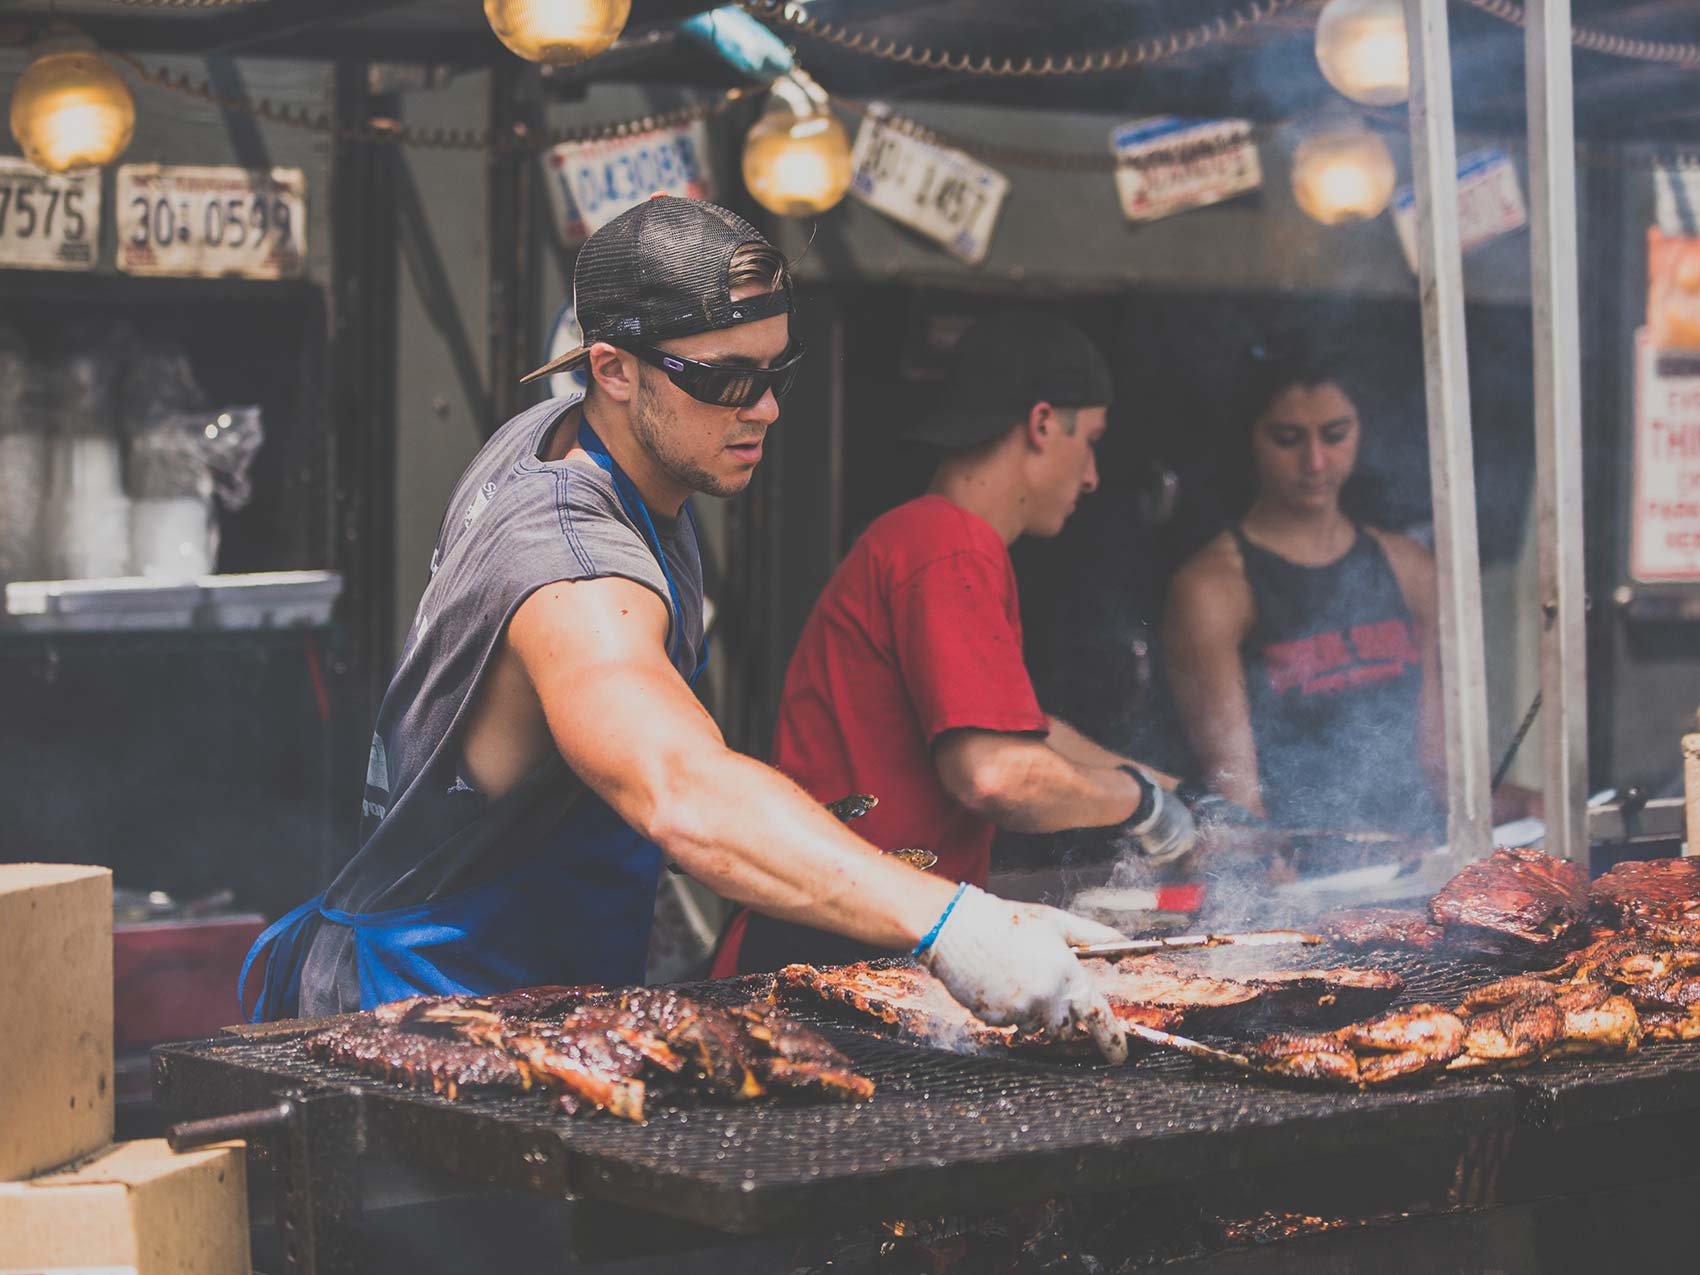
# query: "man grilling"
(908, 681)
(539, 750)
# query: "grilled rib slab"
(1514, 900)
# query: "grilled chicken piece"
(1597, 1021)
(902, 996)
(1516, 1032)
(716, 1047)
(1629, 958)
(1381, 927)
(1665, 1025)
(1674, 993)
(1322, 1057)
(1507, 991)
(1409, 1042)
(1514, 900)
(444, 1066)
(790, 1056)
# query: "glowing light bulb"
(71, 109)
(559, 32)
(1361, 48)
(1343, 175)
(797, 155)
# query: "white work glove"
(1011, 963)
(1165, 831)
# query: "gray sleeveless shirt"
(514, 524)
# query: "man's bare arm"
(1083, 750)
(627, 723)
(1021, 783)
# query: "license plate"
(944, 194)
(184, 220)
(591, 183)
(1167, 164)
(1490, 203)
(48, 221)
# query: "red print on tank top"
(1325, 663)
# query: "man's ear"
(614, 370)
(1042, 425)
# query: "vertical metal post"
(1558, 424)
(1440, 277)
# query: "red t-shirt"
(918, 632)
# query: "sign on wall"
(1490, 203)
(946, 195)
(1665, 516)
(591, 183)
(48, 221)
(1167, 164)
(208, 222)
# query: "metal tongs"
(1192, 1048)
(1190, 942)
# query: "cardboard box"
(134, 1207)
(56, 1003)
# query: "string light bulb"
(71, 109)
(1343, 174)
(1362, 50)
(797, 154)
(558, 32)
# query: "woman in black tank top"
(1301, 644)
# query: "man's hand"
(1165, 831)
(1011, 963)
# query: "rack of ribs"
(604, 1054)
(1381, 927)
(1656, 897)
(1515, 900)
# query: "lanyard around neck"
(632, 502)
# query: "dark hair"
(1269, 368)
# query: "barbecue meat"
(1659, 894)
(1663, 1025)
(1323, 1057)
(903, 996)
(448, 1067)
(1516, 1032)
(1674, 993)
(1406, 1043)
(1629, 958)
(1381, 927)
(1597, 1021)
(790, 1056)
(1514, 900)
(1507, 991)
(716, 1046)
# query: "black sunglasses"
(721, 384)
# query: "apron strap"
(286, 939)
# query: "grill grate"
(944, 1133)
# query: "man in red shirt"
(908, 680)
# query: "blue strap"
(632, 502)
(281, 936)
(931, 936)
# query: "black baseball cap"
(662, 269)
(1002, 366)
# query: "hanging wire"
(1686, 56)
(1090, 62)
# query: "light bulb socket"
(62, 37)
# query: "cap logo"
(737, 314)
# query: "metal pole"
(1558, 424)
(1440, 277)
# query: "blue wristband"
(932, 935)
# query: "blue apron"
(578, 910)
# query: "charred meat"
(718, 1050)
(1663, 894)
(1406, 1043)
(1510, 1034)
(790, 1056)
(1514, 900)
(902, 996)
(1381, 927)
(1321, 1058)
(448, 1067)
(1597, 1021)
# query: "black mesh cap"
(1002, 366)
(662, 269)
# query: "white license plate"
(1167, 165)
(591, 183)
(944, 194)
(48, 221)
(207, 222)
